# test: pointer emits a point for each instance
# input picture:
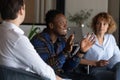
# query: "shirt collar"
(13, 26)
(47, 37)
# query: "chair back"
(9, 73)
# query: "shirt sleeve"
(26, 53)
(116, 56)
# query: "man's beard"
(60, 34)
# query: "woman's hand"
(102, 63)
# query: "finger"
(70, 39)
(92, 38)
(106, 62)
(72, 43)
(88, 35)
(92, 35)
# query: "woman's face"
(101, 26)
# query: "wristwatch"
(66, 53)
(80, 51)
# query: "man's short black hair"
(50, 15)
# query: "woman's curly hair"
(108, 18)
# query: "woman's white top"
(107, 51)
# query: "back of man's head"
(50, 15)
(10, 8)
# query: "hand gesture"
(87, 42)
(69, 43)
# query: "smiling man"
(55, 49)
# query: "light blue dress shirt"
(107, 51)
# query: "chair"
(9, 73)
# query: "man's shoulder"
(39, 39)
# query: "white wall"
(73, 6)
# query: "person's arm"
(94, 63)
(116, 53)
(27, 55)
(88, 62)
(85, 44)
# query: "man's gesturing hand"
(87, 42)
(69, 43)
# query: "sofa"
(9, 73)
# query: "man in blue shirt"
(55, 49)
